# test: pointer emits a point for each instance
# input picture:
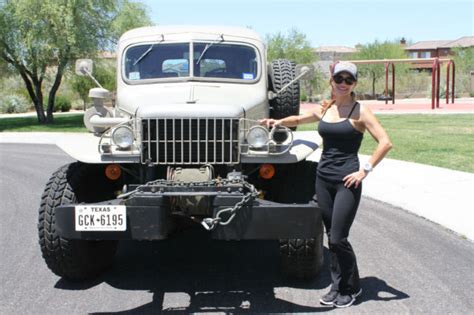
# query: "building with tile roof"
(438, 48)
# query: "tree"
(293, 46)
(42, 38)
(464, 63)
(378, 50)
(4, 69)
(130, 15)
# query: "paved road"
(407, 264)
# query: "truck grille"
(190, 141)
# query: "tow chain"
(209, 223)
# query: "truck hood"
(189, 100)
(180, 110)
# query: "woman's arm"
(378, 133)
(295, 120)
(374, 127)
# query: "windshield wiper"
(148, 50)
(219, 40)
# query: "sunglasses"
(339, 79)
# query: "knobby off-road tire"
(301, 258)
(73, 259)
(288, 102)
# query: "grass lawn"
(439, 140)
(62, 123)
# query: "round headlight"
(123, 137)
(257, 137)
(280, 135)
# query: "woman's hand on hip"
(354, 179)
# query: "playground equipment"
(435, 76)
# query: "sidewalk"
(440, 195)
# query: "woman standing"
(342, 123)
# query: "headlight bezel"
(117, 142)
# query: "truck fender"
(85, 148)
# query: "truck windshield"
(220, 60)
(163, 61)
(223, 60)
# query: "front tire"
(73, 259)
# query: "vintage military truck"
(181, 147)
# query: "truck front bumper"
(149, 217)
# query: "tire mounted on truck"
(287, 103)
(74, 259)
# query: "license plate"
(100, 218)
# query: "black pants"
(339, 206)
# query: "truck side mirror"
(305, 71)
(84, 66)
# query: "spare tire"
(287, 103)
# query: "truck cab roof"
(190, 32)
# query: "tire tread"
(287, 103)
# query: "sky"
(327, 22)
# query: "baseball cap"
(344, 66)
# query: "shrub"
(62, 103)
(316, 98)
(13, 104)
(77, 104)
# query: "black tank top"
(341, 143)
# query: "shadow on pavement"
(193, 273)
(376, 289)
